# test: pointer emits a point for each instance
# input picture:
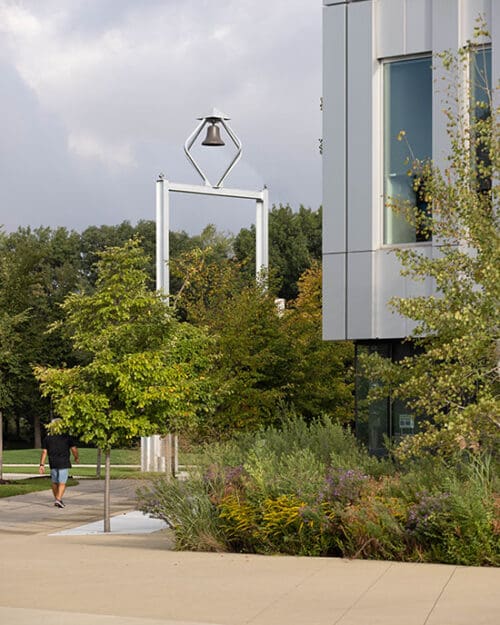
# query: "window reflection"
(480, 77)
(407, 108)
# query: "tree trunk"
(1, 445)
(107, 476)
(37, 433)
(98, 464)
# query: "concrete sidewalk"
(139, 579)
(35, 513)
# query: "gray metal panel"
(360, 295)
(359, 126)
(495, 50)
(445, 36)
(417, 289)
(418, 27)
(334, 129)
(390, 28)
(470, 11)
(389, 283)
(445, 25)
(334, 304)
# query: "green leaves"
(266, 358)
(294, 242)
(144, 371)
(453, 378)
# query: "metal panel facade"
(390, 27)
(371, 31)
(334, 295)
(359, 126)
(334, 135)
(360, 295)
(418, 26)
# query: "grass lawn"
(87, 456)
(30, 485)
(116, 472)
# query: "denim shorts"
(59, 476)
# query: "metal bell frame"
(159, 454)
(214, 118)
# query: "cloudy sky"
(99, 96)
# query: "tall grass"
(313, 490)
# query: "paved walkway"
(140, 580)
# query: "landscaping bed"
(312, 490)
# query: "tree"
(321, 377)
(267, 359)
(144, 372)
(294, 241)
(38, 269)
(96, 239)
(253, 367)
(206, 282)
(253, 352)
(452, 380)
(9, 366)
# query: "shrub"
(283, 524)
(187, 508)
(456, 520)
(298, 494)
(371, 530)
(343, 486)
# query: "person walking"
(58, 447)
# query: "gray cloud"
(100, 95)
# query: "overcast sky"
(98, 97)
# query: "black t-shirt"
(58, 446)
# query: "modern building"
(380, 76)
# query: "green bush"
(313, 490)
(187, 508)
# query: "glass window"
(480, 78)
(408, 108)
(481, 81)
(385, 417)
(372, 418)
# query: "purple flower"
(343, 485)
(427, 513)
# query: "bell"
(213, 136)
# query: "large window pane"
(372, 418)
(480, 77)
(385, 417)
(408, 108)
(481, 80)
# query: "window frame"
(382, 62)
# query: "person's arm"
(41, 468)
(74, 451)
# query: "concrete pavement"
(139, 579)
(35, 513)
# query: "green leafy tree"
(145, 372)
(294, 242)
(321, 376)
(9, 366)
(267, 358)
(206, 282)
(452, 380)
(38, 269)
(254, 361)
(95, 239)
(253, 352)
